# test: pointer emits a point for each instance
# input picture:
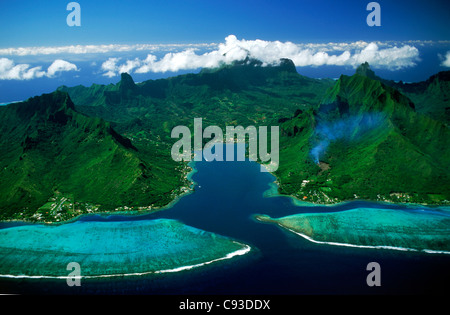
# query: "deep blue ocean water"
(227, 195)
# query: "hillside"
(50, 154)
(244, 93)
(355, 138)
(365, 140)
(431, 97)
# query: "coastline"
(12, 102)
(274, 191)
(188, 190)
(267, 219)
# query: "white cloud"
(110, 66)
(112, 69)
(10, 71)
(180, 61)
(97, 49)
(389, 56)
(446, 61)
(60, 66)
(175, 57)
(344, 54)
(129, 65)
(232, 40)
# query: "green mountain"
(365, 140)
(431, 97)
(357, 137)
(60, 158)
(50, 153)
(244, 93)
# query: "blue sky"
(325, 38)
(43, 22)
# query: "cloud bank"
(270, 52)
(10, 71)
(111, 60)
(96, 49)
(446, 62)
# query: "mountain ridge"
(48, 149)
(431, 97)
(365, 140)
(355, 138)
(244, 93)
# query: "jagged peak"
(288, 65)
(365, 70)
(125, 77)
(440, 76)
(126, 82)
(50, 102)
(363, 91)
(284, 64)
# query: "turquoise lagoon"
(372, 228)
(110, 249)
(195, 237)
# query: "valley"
(109, 146)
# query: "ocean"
(227, 196)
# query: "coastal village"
(62, 208)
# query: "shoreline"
(274, 191)
(12, 102)
(267, 219)
(189, 191)
(240, 252)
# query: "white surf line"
(429, 251)
(238, 252)
(7, 103)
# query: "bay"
(227, 196)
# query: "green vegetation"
(109, 149)
(49, 150)
(373, 145)
(431, 97)
(60, 208)
(244, 93)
